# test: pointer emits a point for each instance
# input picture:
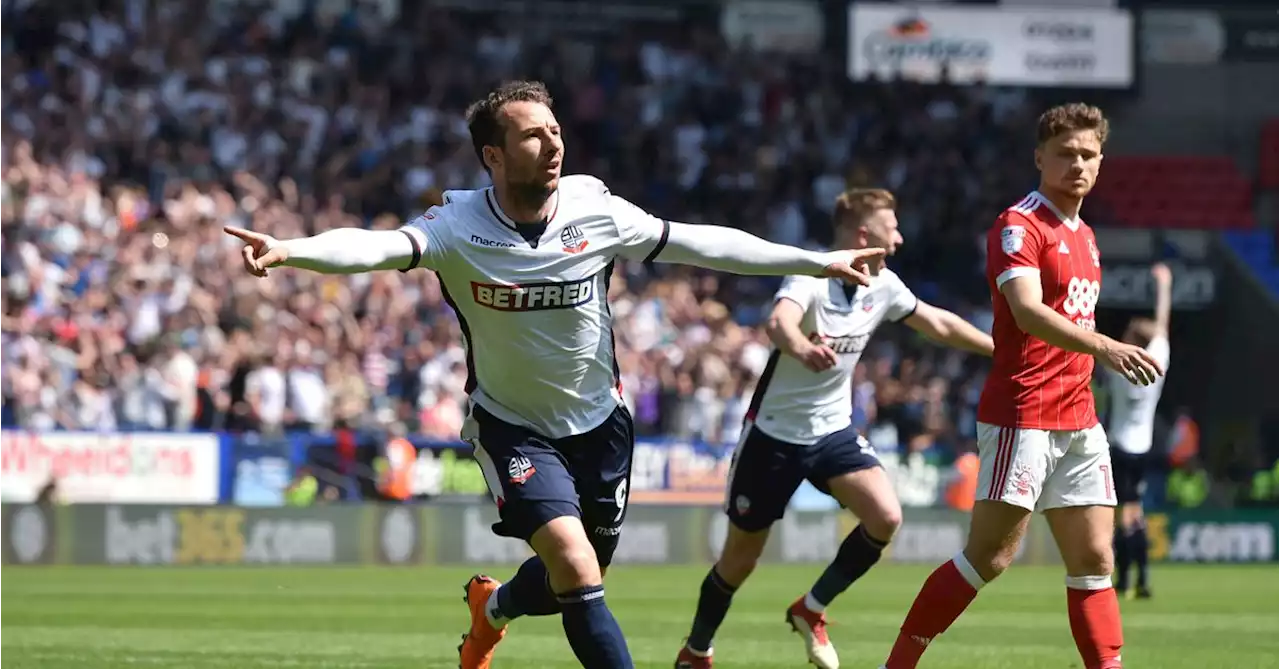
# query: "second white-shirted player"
(799, 427)
(1131, 427)
(526, 265)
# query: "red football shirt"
(1033, 384)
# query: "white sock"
(699, 653)
(1089, 582)
(967, 571)
(492, 613)
(813, 604)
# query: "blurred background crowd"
(130, 142)
(133, 130)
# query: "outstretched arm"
(646, 237)
(1164, 297)
(340, 251)
(736, 252)
(946, 327)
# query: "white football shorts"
(1045, 469)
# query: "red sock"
(1094, 612)
(944, 596)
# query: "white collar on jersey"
(491, 199)
(1072, 224)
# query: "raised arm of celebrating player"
(339, 251)
(1026, 302)
(1164, 297)
(730, 250)
(947, 328)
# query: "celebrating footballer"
(526, 263)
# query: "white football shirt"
(1133, 408)
(798, 406)
(537, 328)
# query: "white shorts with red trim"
(1045, 469)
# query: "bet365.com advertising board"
(455, 534)
(996, 44)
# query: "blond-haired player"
(799, 427)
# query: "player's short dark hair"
(1069, 118)
(484, 119)
(856, 204)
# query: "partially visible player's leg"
(763, 475)
(531, 485)
(738, 557)
(1014, 466)
(576, 578)
(860, 484)
(844, 466)
(600, 462)
(538, 502)
(1083, 535)
(1078, 502)
(995, 531)
(1123, 521)
(1130, 541)
(1140, 550)
(1139, 547)
(527, 479)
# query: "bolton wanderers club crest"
(520, 469)
(573, 239)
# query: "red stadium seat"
(1269, 156)
(1175, 192)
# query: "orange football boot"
(476, 651)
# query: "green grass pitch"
(243, 618)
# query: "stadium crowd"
(133, 131)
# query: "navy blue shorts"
(766, 472)
(535, 479)
(1129, 471)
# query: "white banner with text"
(998, 45)
(86, 467)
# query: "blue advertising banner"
(259, 470)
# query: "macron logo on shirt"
(481, 241)
(534, 296)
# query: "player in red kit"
(1039, 441)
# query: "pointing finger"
(870, 253)
(247, 235)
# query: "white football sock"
(813, 604)
(493, 613)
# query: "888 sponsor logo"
(1082, 301)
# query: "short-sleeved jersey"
(1131, 417)
(799, 406)
(1033, 384)
(534, 314)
